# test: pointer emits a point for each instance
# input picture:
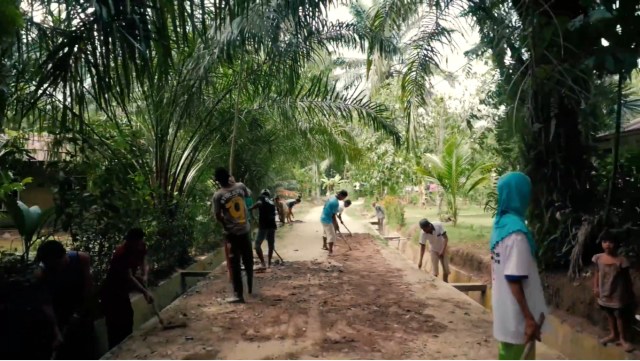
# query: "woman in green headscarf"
(517, 295)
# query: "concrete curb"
(165, 293)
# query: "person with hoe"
(66, 286)
(290, 204)
(438, 242)
(380, 216)
(343, 205)
(229, 208)
(329, 221)
(266, 225)
(280, 208)
(517, 296)
(127, 260)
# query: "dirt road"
(359, 304)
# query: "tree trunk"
(234, 134)
(557, 152)
(616, 148)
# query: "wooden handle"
(530, 345)
(155, 310)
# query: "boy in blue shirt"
(328, 219)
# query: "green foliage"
(457, 171)
(147, 111)
(28, 220)
(332, 185)
(10, 23)
(384, 169)
(96, 203)
(557, 100)
(394, 211)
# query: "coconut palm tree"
(457, 171)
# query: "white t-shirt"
(340, 207)
(512, 258)
(436, 238)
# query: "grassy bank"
(472, 231)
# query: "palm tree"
(457, 171)
(10, 22)
(181, 84)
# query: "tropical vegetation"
(139, 101)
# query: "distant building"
(38, 192)
(629, 137)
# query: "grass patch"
(473, 228)
(467, 234)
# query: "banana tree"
(457, 171)
(330, 184)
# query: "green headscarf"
(514, 195)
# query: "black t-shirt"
(267, 213)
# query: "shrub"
(394, 210)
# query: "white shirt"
(512, 258)
(436, 238)
(340, 207)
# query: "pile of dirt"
(350, 305)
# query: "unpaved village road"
(367, 303)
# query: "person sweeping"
(342, 206)
(266, 225)
(517, 294)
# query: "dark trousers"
(241, 251)
(79, 341)
(118, 315)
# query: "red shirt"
(124, 258)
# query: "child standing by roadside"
(613, 289)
